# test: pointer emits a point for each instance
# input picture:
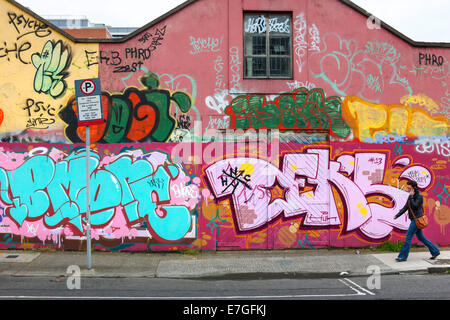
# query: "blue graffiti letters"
(55, 191)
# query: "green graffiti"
(51, 67)
(299, 109)
(135, 115)
(118, 120)
(161, 99)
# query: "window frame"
(268, 55)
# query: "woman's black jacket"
(415, 202)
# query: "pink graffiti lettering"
(356, 177)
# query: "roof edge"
(189, 2)
(156, 21)
(394, 31)
(56, 28)
(102, 40)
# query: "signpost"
(89, 111)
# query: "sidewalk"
(222, 264)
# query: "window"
(267, 51)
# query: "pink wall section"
(348, 197)
(380, 104)
(343, 57)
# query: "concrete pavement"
(222, 264)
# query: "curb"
(443, 269)
(240, 276)
(258, 276)
(288, 275)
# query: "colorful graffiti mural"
(321, 200)
(360, 116)
(316, 195)
(249, 181)
(134, 115)
(39, 67)
(43, 189)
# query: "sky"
(115, 13)
(420, 20)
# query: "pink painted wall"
(333, 49)
(349, 196)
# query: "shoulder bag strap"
(412, 212)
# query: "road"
(407, 286)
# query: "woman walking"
(414, 203)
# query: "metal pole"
(88, 195)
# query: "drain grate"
(15, 257)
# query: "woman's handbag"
(421, 222)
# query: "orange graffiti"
(287, 236)
(146, 115)
(441, 214)
(97, 130)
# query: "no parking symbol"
(89, 102)
(87, 87)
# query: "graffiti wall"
(323, 196)
(135, 193)
(196, 154)
(311, 196)
(38, 69)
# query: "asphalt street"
(407, 286)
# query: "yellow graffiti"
(247, 168)
(258, 238)
(422, 100)
(362, 209)
(367, 119)
(41, 66)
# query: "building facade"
(81, 27)
(229, 125)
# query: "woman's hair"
(413, 184)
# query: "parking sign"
(89, 102)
